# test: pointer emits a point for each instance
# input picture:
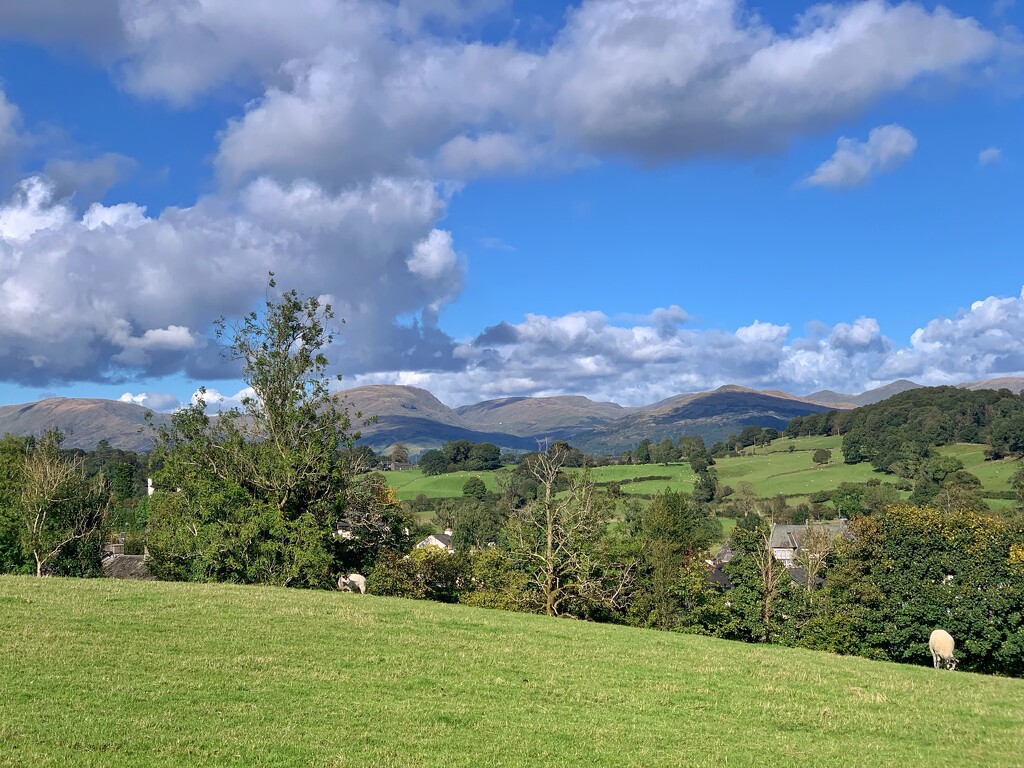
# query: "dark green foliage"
(13, 451)
(822, 456)
(674, 530)
(262, 488)
(433, 462)
(475, 488)
(896, 432)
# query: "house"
(442, 540)
(786, 539)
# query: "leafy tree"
(664, 452)
(399, 453)
(482, 457)
(706, 487)
(13, 451)
(822, 456)
(433, 462)
(60, 507)
(1017, 482)
(642, 454)
(475, 488)
(261, 487)
(674, 530)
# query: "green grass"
(409, 483)
(103, 673)
(771, 470)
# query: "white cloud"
(989, 156)
(855, 162)
(654, 80)
(155, 401)
(635, 364)
(115, 292)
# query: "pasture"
(105, 673)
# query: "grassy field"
(409, 483)
(104, 673)
(771, 470)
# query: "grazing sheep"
(352, 581)
(941, 644)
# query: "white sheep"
(353, 580)
(941, 644)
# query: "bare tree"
(58, 504)
(815, 545)
(554, 537)
(772, 576)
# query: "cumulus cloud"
(115, 292)
(990, 155)
(635, 364)
(155, 401)
(855, 162)
(654, 80)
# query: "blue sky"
(624, 199)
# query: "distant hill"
(1012, 383)
(84, 422)
(527, 416)
(415, 417)
(712, 415)
(872, 396)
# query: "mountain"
(529, 416)
(872, 396)
(712, 415)
(84, 422)
(415, 417)
(1013, 383)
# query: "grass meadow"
(108, 673)
(783, 467)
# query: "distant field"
(104, 673)
(409, 483)
(771, 470)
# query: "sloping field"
(409, 483)
(102, 673)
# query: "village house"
(441, 540)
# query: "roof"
(442, 539)
(788, 536)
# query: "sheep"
(346, 583)
(941, 644)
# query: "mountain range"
(416, 418)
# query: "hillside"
(1013, 383)
(842, 400)
(416, 418)
(84, 422)
(712, 415)
(102, 673)
(528, 416)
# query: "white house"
(442, 540)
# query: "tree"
(261, 487)
(553, 538)
(475, 488)
(664, 452)
(674, 531)
(59, 506)
(13, 451)
(642, 454)
(822, 456)
(399, 454)
(433, 462)
(1017, 482)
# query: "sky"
(622, 199)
